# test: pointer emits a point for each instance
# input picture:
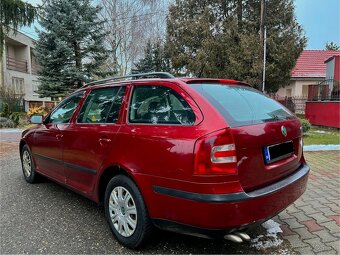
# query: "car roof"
(155, 77)
(182, 80)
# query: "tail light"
(215, 154)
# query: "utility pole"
(263, 39)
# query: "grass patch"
(318, 135)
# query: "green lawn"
(318, 135)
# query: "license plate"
(279, 151)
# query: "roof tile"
(311, 63)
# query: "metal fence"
(13, 104)
(294, 104)
(327, 90)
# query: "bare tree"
(130, 24)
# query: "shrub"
(6, 123)
(37, 110)
(305, 125)
(5, 112)
(18, 118)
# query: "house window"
(35, 85)
(18, 85)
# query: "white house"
(20, 69)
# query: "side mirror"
(36, 119)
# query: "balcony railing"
(17, 64)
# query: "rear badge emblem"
(284, 130)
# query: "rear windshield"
(241, 105)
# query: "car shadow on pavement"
(92, 219)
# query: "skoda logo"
(284, 130)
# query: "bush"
(5, 112)
(6, 123)
(19, 118)
(305, 125)
(37, 110)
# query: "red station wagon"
(206, 157)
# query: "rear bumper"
(227, 212)
(235, 197)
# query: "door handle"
(59, 137)
(104, 140)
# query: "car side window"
(159, 105)
(63, 113)
(102, 105)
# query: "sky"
(320, 20)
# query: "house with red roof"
(312, 68)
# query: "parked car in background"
(206, 157)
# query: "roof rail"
(163, 75)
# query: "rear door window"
(242, 105)
(159, 105)
(102, 106)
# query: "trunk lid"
(254, 170)
(267, 135)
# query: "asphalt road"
(48, 218)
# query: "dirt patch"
(7, 149)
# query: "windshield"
(242, 105)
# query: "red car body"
(164, 162)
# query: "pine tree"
(332, 46)
(70, 49)
(154, 60)
(218, 38)
(145, 64)
(13, 14)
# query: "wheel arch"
(21, 145)
(107, 174)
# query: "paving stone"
(327, 211)
(330, 252)
(278, 220)
(304, 233)
(336, 234)
(317, 245)
(312, 225)
(316, 204)
(293, 223)
(305, 250)
(308, 209)
(286, 231)
(295, 241)
(331, 226)
(335, 245)
(336, 218)
(300, 202)
(284, 215)
(319, 217)
(306, 198)
(314, 195)
(334, 207)
(325, 235)
(292, 209)
(301, 216)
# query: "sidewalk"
(311, 224)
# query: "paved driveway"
(47, 218)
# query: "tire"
(126, 212)
(27, 165)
